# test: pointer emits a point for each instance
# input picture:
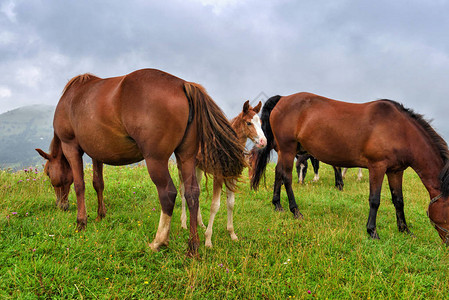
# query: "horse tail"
(221, 153)
(262, 156)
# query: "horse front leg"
(316, 166)
(160, 175)
(75, 159)
(214, 207)
(376, 175)
(395, 182)
(98, 184)
(286, 162)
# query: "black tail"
(262, 156)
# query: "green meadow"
(326, 255)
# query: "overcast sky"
(356, 51)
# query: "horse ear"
(257, 107)
(43, 154)
(246, 106)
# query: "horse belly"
(111, 149)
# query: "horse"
(145, 115)
(359, 173)
(382, 136)
(302, 166)
(247, 126)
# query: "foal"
(247, 126)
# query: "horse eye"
(248, 123)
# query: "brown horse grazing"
(382, 136)
(148, 114)
(247, 126)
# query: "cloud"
(349, 50)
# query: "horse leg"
(191, 193)
(277, 188)
(199, 175)
(395, 182)
(316, 166)
(183, 202)
(376, 176)
(286, 161)
(359, 174)
(98, 184)
(75, 159)
(214, 207)
(160, 175)
(343, 172)
(338, 178)
(230, 200)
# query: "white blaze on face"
(261, 139)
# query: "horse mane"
(79, 79)
(436, 140)
(262, 156)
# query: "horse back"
(342, 133)
(119, 120)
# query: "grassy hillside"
(21, 131)
(326, 255)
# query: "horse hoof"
(297, 214)
(63, 206)
(278, 208)
(208, 244)
(374, 235)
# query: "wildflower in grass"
(145, 282)
(26, 214)
(34, 250)
(309, 292)
(14, 213)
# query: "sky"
(355, 51)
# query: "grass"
(326, 255)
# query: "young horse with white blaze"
(382, 136)
(247, 126)
(147, 114)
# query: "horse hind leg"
(214, 207)
(199, 175)
(395, 182)
(98, 184)
(230, 201)
(160, 175)
(183, 202)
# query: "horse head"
(58, 170)
(250, 127)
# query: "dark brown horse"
(382, 136)
(247, 126)
(148, 114)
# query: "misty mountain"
(21, 131)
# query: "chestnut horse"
(382, 135)
(247, 126)
(147, 114)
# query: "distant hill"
(21, 131)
